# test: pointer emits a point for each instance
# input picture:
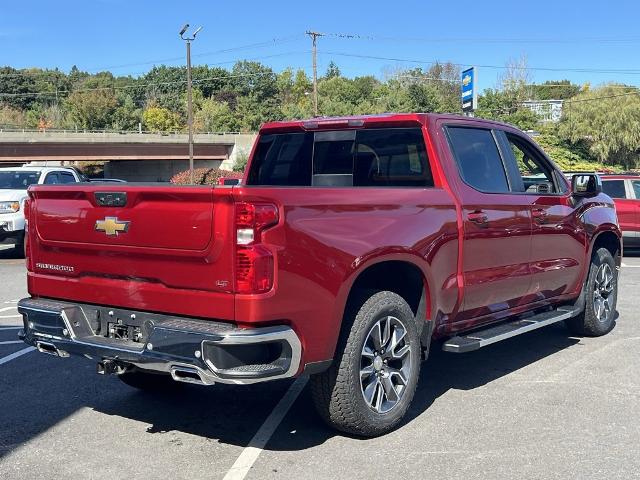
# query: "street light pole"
(189, 99)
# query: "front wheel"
(371, 383)
(601, 295)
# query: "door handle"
(539, 215)
(479, 218)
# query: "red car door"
(557, 245)
(624, 195)
(497, 227)
(634, 240)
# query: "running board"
(482, 338)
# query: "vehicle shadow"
(233, 414)
(8, 251)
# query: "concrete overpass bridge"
(130, 156)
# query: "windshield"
(17, 180)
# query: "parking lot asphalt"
(543, 405)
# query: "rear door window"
(52, 178)
(478, 159)
(636, 188)
(66, 177)
(614, 188)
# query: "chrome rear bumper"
(191, 350)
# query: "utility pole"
(314, 51)
(189, 102)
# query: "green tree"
(92, 109)
(302, 85)
(252, 112)
(215, 116)
(11, 117)
(253, 78)
(506, 107)
(566, 156)
(607, 121)
(160, 119)
(332, 70)
(127, 116)
(555, 90)
(17, 88)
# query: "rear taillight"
(27, 210)
(254, 261)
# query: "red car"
(349, 246)
(625, 191)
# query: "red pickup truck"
(351, 245)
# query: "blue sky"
(128, 36)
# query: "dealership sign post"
(468, 90)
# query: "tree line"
(600, 127)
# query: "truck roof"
(380, 119)
(36, 168)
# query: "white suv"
(14, 182)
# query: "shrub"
(203, 176)
(241, 162)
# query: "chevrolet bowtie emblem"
(111, 226)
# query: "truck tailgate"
(160, 245)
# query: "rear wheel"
(601, 290)
(371, 383)
(149, 381)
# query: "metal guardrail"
(122, 132)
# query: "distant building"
(547, 110)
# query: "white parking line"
(10, 328)
(629, 266)
(11, 342)
(17, 354)
(4, 309)
(10, 316)
(252, 451)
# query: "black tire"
(339, 393)
(596, 319)
(19, 247)
(149, 381)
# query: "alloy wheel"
(385, 365)
(603, 291)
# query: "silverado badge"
(111, 226)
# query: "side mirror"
(586, 185)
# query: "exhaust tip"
(48, 348)
(187, 375)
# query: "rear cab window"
(376, 157)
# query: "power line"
(551, 40)
(501, 67)
(604, 97)
(430, 79)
